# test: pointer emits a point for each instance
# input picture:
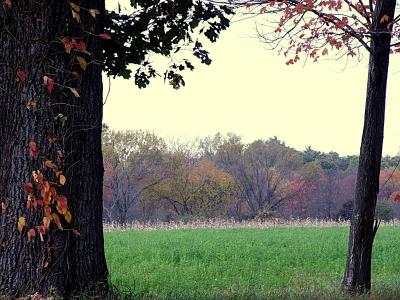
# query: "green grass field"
(272, 263)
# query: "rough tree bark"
(30, 33)
(357, 277)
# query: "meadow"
(244, 263)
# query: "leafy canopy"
(163, 27)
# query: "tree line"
(150, 179)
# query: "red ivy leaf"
(62, 204)
(33, 151)
(45, 187)
(79, 44)
(53, 192)
(47, 211)
(94, 12)
(63, 179)
(60, 154)
(41, 229)
(56, 220)
(37, 176)
(46, 222)
(28, 187)
(49, 164)
(8, 3)
(21, 75)
(397, 198)
(67, 45)
(37, 296)
(49, 83)
(31, 201)
(31, 233)
(105, 36)
(384, 19)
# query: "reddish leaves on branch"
(311, 28)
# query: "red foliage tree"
(311, 29)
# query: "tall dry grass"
(217, 223)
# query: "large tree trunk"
(85, 168)
(357, 277)
(29, 40)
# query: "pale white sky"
(250, 91)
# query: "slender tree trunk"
(357, 277)
(30, 33)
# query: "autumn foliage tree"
(312, 29)
(263, 170)
(194, 188)
(134, 161)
